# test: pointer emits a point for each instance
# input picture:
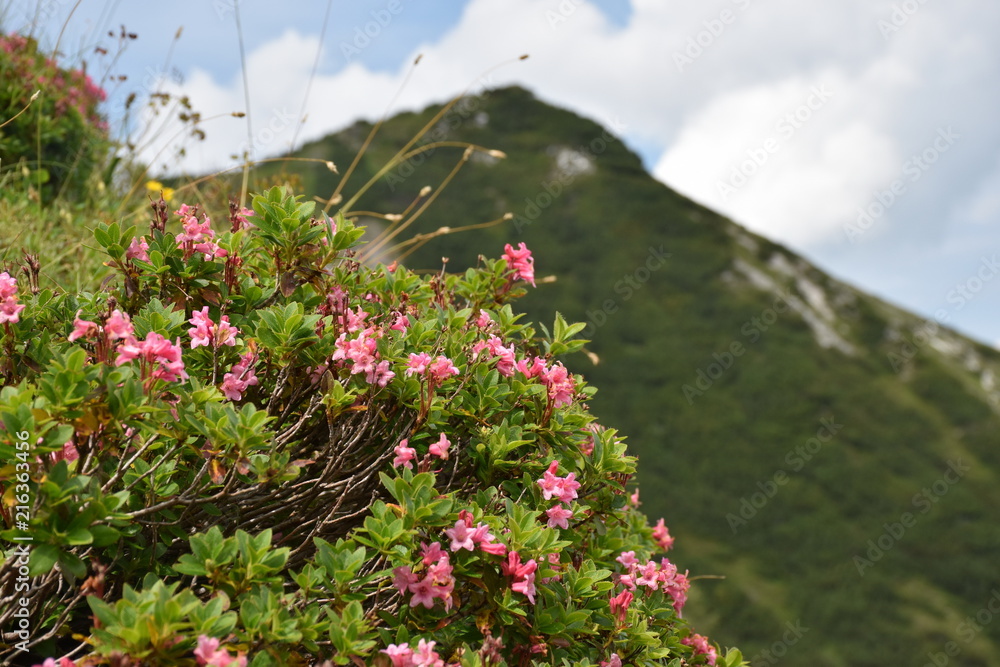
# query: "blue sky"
(860, 133)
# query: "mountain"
(827, 461)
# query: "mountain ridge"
(675, 294)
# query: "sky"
(862, 134)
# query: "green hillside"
(833, 457)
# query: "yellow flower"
(156, 186)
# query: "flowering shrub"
(62, 133)
(253, 450)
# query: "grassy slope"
(792, 561)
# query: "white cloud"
(756, 63)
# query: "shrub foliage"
(61, 138)
(251, 448)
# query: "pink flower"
(633, 500)
(240, 377)
(403, 578)
(404, 455)
(10, 310)
(209, 653)
(356, 319)
(660, 533)
(561, 488)
(627, 558)
(432, 552)
(649, 576)
(526, 583)
(677, 587)
(380, 374)
(194, 231)
(208, 333)
(560, 384)
(425, 656)
(417, 365)
(400, 655)
(536, 368)
(484, 319)
(118, 325)
(440, 448)
(138, 249)
(620, 604)
(494, 548)
(8, 286)
(521, 262)
(461, 536)
(361, 351)
(559, 517)
(162, 359)
(523, 575)
(51, 662)
(401, 323)
(82, 328)
(441, 369)
(423, 593)
(612, 661)
(701, 647)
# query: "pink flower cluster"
(362, 352)
(208, 333)
(483, 321)
(138, 249)
(52, 662)
(521, 262)
(197, 235)
(556, 378)
(9, 307)
(438, 582)
(612, 661)
(701, 647)
(240, 377)
(563, 489)
(660, 533)
(464, 536)
(401, 655)
(523, 575)
(160, 359)
(653, 575)
(405, 454)
(620, 604)
(209, 653)
(438, 370)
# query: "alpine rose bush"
(251, 449)
(63, 132)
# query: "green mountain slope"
(833, 457)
